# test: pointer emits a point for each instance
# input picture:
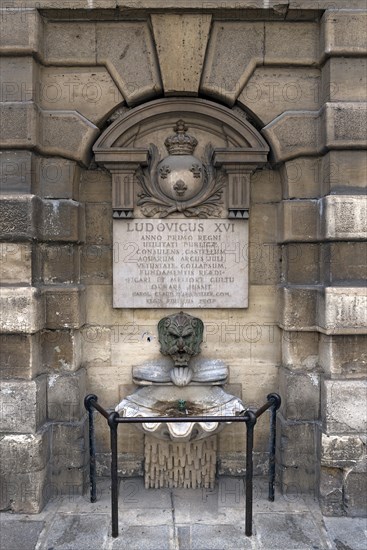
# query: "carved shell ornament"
(180, 182)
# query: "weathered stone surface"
(344, 171)
(272, 91)
(355, 490)
(23, 407)
(343, 32)
(344, 356)
(98, 223)
(344, 406)
(15, 172)
(70, 44)
(23, 538)
(95, 186)
(342, 310)
(298, 221)
(56, 264)
(56, 178)
(300, 350)
(16, 263)
(19, 356)
(341, 451)
(302, 36)
(19, 126)
(65, 306)
(20, 31)
(301, 263)
(25, 493)
(22, 453)
(344, 79)
(90, 91)
(65, 395)
(297, 307)
(19, 79)
(301, 178)
(234, 50)
(345, 125)
(300, 394)
(67, 134)
(19, 217)
(293, 135)
(263, 249)
(331, 491)
(69, 445)
(21, 309)
(61, 350)
(344, 217)
(288, 531)
(265, 186)
(181, 43)
(95, 264)
(62, 220)
(345, 261)
(120, 48)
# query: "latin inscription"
(179, 263)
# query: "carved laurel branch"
(153, 202)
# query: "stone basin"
(167, 401)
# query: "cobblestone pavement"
(181, 519)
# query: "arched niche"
(174, 161)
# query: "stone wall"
(297, 70)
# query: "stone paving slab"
(78, 532)
(142, 537)
(22, 535)
(346, 534)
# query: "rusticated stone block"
(300, 350)
(345, 125)
(298, 447)
(345, 410)
(20, 30)
(95, 264)
(270, 92)
(294, 135)
(345, 261)
(19, 125)
(297, 308)
(16, 263)
(67, 134)
(301, 178)
(19, 78)
(61, 350)
(56, 263)
(23, 453)
(21, 310)
(343, 32)
(16, 172)
(65, 395)
(19, 356)
(355, 490)
(65, 306)
(304, 39)
(25, 493)
(341, 451)
(234, 50)
(19, 217)
(98, 223)
(23, 405)
(342, 310)
(90, 91)
(299, 221)
(95, 186)
(70, 44)
(181, 44)
(344, 171)
(344, 79)
(344, 356)
(331, 491)
(62, 220)
(300, 394)
(120, 46)
(56, 178)
(345, 217)
(301, 263)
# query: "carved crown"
(180, 143)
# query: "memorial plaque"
(180, 263)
